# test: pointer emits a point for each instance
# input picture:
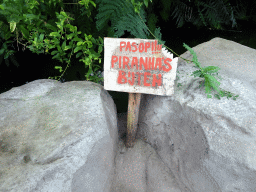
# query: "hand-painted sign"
(138, 66)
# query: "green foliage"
(208, 73)
(152, 20)
(216, 13)
(166, 9)
(16, 15)
(50, 36)
(137, 6)
(61, 34)
(82, 47)
(120, 12)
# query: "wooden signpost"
(137, 66)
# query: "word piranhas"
(148, 63)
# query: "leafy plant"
(84, 46)
(109, 10)
(202, 13)
(120, 13)
(38, 43)
(207, 73)
(53, 40)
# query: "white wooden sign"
(138, 66)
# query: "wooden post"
(132, 118)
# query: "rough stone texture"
(62, 137)
(122, 124)
(141, 169)
(57, 137)
(208, 144)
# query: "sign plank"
(137, 66)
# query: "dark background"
(33, 66)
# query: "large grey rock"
(208, 144)
(58, 137)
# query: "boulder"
(57, 137)
(207, 143)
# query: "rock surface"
(208, 144)
(57, 137)
(63, 137)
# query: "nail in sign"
(138, 66)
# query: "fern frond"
(105, 12)
(211, 82)
(152, 20)
(121, 26)
(123, 18)
(194, 56)
(213, 12)
(165, 13)
(217, 12)
(110, 10)
(158, 35)
(211, 69)
(178, 13)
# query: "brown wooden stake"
(132, 118)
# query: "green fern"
(158, 35)
(166, 9)
(208, 73)
(120, 13)
(177, 13)
(216, 12)
(121, 26)
(152, 20)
